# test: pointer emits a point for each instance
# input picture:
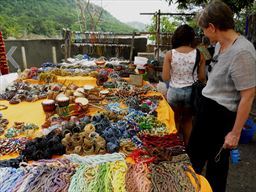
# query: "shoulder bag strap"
(196, 66)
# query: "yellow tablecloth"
(32, 112)
(165, 113)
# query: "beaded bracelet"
(8, 146)
(3, 107)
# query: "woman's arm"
(167, 66)
(201, 72)
(244, 107)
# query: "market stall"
(91, 134)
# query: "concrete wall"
(38, 52)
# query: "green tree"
(241, 9)
(166, 25)
(235, 5)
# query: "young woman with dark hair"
(177, 69)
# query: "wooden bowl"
(83, 102)
(104, 92)
(79, 92)
(100, 62)
(62, 101)
(49, 105)
(88, 87)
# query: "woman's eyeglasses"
(214, 60)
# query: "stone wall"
(32, 53)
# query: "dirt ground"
(242, 176)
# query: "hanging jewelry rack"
(97, 39)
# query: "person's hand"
(231, 140)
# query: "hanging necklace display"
(78, 37)
(87, 37)
(93, 38)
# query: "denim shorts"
(179, 97)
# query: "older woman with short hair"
(227, 97)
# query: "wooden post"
(54, 59)
(24, 59)
(132, 46)
(158, 21)
(158, 28)
(67, 43)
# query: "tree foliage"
(241, 8)
(235, 5)
(19, 18)
(166, 25)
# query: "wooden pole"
(54, 58)
(158, 34)
(24, 59)
(132, 46)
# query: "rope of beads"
(118, 170)
(109, 176)
(3, 124)
(95, 159)
(108, 172)
(137, 178)
(44, 147)
(52, 175)
(9, 177)
(21, 128)
(78, 182)
(168, 173)
(12, 145)
(102, 180)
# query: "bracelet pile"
(12, 145)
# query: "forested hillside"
(19, 18)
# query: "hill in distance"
(137, 25)
(47, 18)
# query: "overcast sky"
(129, 10)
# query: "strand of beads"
(46, 175)
(78, 183)
(99, 173)
(3, 124)
(12, 145)
(102, 180)
(9, 177)
(118, 170)
(95, 159)
(22, 91)
(20, 128)
(14, 162)
(168, 173)
(165, 141)
(137, 178)
(44, 147)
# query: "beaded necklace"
(9, 177)
(95, 159)
(137, 178)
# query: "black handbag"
(197, 87)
